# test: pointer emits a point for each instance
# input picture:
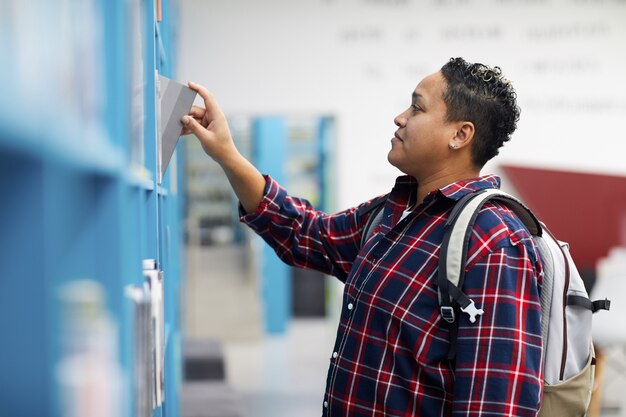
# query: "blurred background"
(124, 292)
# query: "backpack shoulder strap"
(375, 209)
(453, 253)
(459, 226)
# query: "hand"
(210, 126)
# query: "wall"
(361, 59)
(586, 196)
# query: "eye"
(416, 108)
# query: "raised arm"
(209, 125)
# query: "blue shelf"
(93, 153)
(140, 178)
(80, 205)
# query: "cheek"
(417, 134)
(418, 126)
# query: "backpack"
(566, 310)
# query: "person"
(390, 357)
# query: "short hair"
(480, 94)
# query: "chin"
(395, 163)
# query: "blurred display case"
(306, 171)
(297, 151)
(211, 209)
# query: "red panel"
(586, 210)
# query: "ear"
(464, 134)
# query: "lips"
(398, 137)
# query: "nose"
(400, 120)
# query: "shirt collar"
(459, 189)
(454, 191)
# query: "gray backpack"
(566, 309)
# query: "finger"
(213, 110)
(197, 112)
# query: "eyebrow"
(416, 97)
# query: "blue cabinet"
(296, 151)
(81, 205)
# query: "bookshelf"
(81, 206)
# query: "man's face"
(420, 145)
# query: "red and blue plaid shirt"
(390, 355)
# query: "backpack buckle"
(472, 311)
(447, 312)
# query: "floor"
(284, 376)
(277, 376)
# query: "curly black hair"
(480, 94)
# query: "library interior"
(129, 285)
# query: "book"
(175, 101)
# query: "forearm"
(303, 236)
(245, 180)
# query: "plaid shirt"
(390, 354)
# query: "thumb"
(191, 125)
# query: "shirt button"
(325, 404)
(350, 306)
(335, 354)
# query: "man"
(390, 357)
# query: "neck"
(440, 179)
